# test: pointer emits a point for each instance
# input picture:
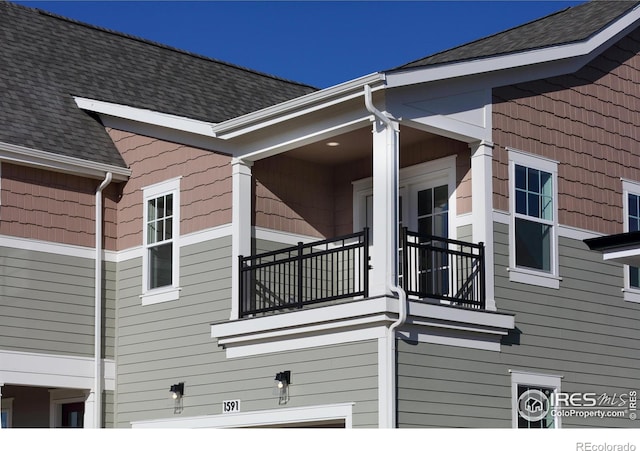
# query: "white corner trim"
(258, 418)
(146, 116)
(52, 370)
(60, 163)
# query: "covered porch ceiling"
(351, 146)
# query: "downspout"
(97, 395)
(392, 281)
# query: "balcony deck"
(432, 268)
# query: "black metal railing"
(305, 274)
(441, 268)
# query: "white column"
(241, 225)
(89, 411)
(385, 208)
(1, 385)
(482, 209)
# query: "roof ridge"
(156, 44)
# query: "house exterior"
(188, 243)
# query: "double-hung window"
(161, 235)
(533, 398)
(631, 203)
(533, 234)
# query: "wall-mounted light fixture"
(282, 382)
(177, 392)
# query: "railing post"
(483, 288)
(365, 263)
(300, 278)
(404, 261)
(241, 306)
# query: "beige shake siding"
(590, 122)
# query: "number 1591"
(231, 406)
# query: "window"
(533, 397)
(426, 196)
(631, 207)
(6, 413)
(161, 234)
(533, 235)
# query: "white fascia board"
(146, 116)
(520, 59)
(475, 320)
(256, 418)
(298, 107)
(60, 163)
(301, 318)
(50, 370)
(628, 256)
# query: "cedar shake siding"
(294, 196)
(589, 122)
(298, 196)
(205, 186)
(50, 206)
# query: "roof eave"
(60, 163)
(574, 50)
(297, 107)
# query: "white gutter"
(392, 282)
(59, 163)
(301, 105)
(97, 399)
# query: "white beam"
(241, 226)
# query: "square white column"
(482, 210)
(385, 208)
(241, 225)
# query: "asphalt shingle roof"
(45, 60)
(573, 24)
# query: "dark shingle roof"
(573, 24)
(45, 60)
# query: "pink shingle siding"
(588, 121)
(205, 184)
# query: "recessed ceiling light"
(333, 144)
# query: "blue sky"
(318, 43)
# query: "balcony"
(431, 269)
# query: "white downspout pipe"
(392, 281)
(97, 395)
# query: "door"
(73, 415)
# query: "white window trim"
(525, 275)
(629, 293)
(552, 381)
(60, 396)
(7, 406)
(441, 170)
(169, 293)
